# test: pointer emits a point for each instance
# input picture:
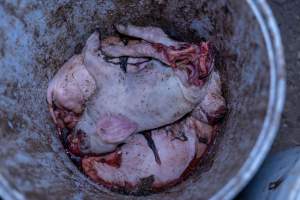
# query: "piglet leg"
(196, 59)
(150, 34)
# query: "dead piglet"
(176, 148)
(138, 161)
(127, 103)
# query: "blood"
(114, 159)
(196, 59)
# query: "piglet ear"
(93, 43)
(115, 128)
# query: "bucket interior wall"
(37, 37)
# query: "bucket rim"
(277, 93)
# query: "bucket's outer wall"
(37, 37)
(277, 179)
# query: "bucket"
(37, 37)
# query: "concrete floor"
(287, 13)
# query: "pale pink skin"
(127, 103)
(213, 107)
(72, 86)
(136, 161)
(67, 92)
(196, 58)
(115, 109)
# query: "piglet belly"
(157, 105)
(153, 97)
(137, 162)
